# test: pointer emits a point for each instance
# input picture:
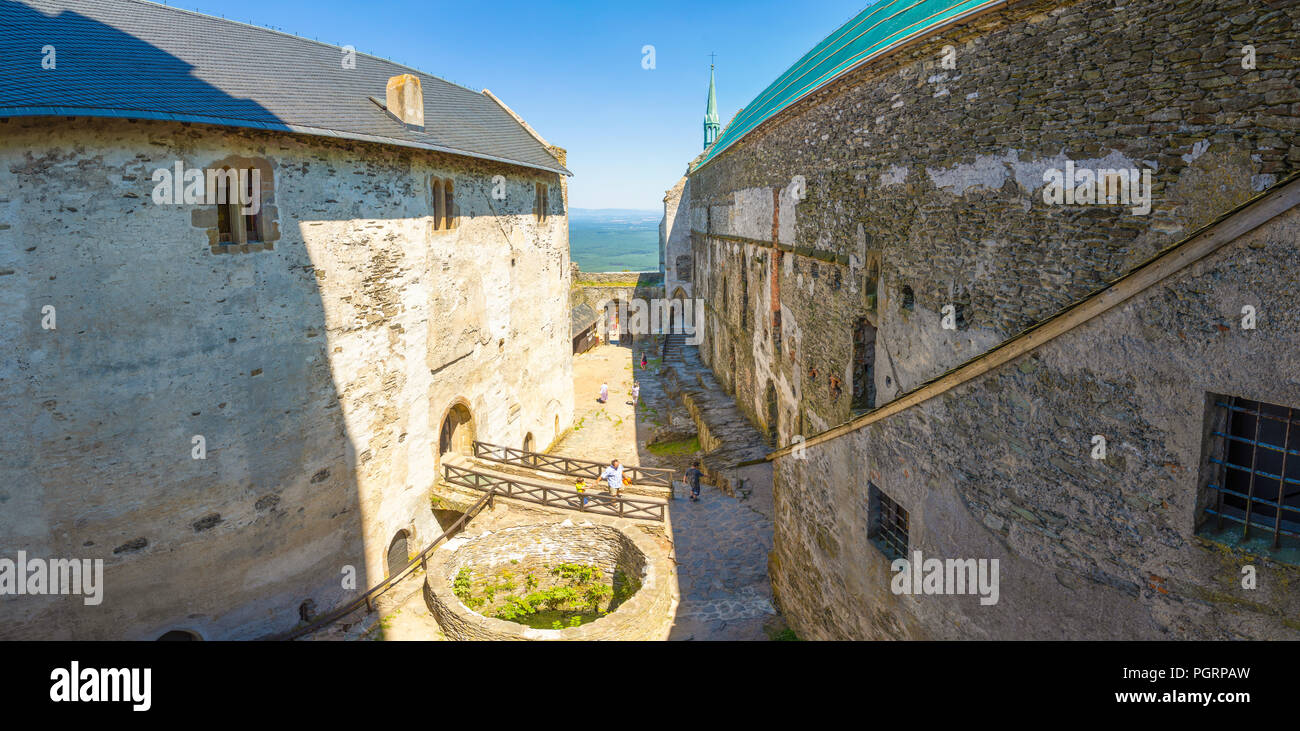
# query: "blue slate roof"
(136, 59)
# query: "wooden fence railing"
(368, 598)
(569, 466)
(556, 497)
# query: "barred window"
(887, 523)
(1253, 486)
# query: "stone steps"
(726, 436)
(674, 348)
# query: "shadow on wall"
(160, 346)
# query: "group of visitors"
(636, 393)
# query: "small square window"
(887, 527)
(1252, 495)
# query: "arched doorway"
(677, 311)
(457, 433)
(528, 442)
(398, 553)
(179, 635)
(614, 311)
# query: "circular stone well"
(624, 548)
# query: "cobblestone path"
(721, 542)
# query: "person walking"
(581, 487)
(636, 393)
(643, 360)
(693, 476)
(613, 476)
(604, 393)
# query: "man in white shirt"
(613, 476)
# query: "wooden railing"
(368, 598)
(556, 497)
(570, 466)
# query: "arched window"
(451, 217)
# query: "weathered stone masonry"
(1002, 468)
(940, 173)
(922, 187)
(317, 369)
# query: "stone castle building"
(931, 279)
(240, 411)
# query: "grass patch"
(785, 635)
(680, 446)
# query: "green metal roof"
(874, 31)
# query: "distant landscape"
(614, 239)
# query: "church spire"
(711, 125)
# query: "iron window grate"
(888, 523)
(1257, 481)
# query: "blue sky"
(573, 69)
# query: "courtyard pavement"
(722, 542)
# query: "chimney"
(405, 100)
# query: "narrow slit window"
(439, 205)
(543, 202)
(253, 221)
(449, 203)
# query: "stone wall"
(603, 289)
(317, 370)
(1002, 468)
(937, 174)
(675, 256)
(611, 544)
(916, 183)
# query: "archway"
(528, 442)
(398, 553)
(179, 635)
(677, 311)
(615, 310)
(457, 433)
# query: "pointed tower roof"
(711, 109)
(711, 124)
